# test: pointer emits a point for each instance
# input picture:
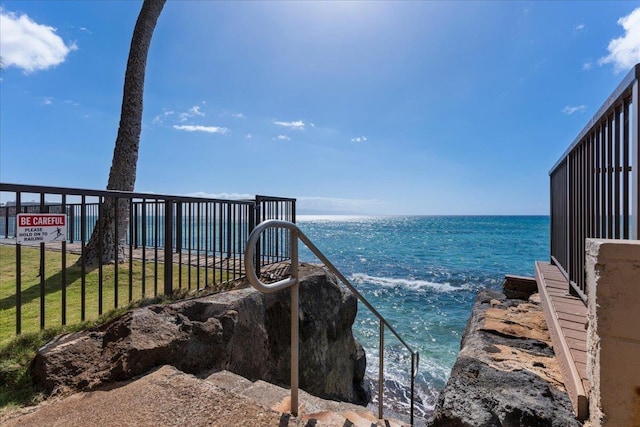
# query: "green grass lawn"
(17, 351)
(126, 292)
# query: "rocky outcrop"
(506, 373)
(241, 331)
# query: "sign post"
(41, 228)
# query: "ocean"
(422, 274)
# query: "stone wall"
(613, 334)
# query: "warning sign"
(41, 228)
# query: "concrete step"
(312, 410)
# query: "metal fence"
(595, 185)
(171, 242)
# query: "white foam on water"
(411, 284)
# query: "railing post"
(294, 324)
(635, 161)
(168, 247)
(179, 227)
(18, 270)
(255, 222)
(381, 371)
(413, 377)
(70, 211)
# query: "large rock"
(242, 331)
(506, 373)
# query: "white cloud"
(200, 128)
(297, 125)
(191, 112)
(159, 119)
(85, 29)
(587, 65)
(47, 101)
(580, 27)
(238, 115)
(71, 102)
(28, 45)
(248, 136)
(570, 109)
(359, 139)
(282, 138)
(195, 111)
(624, 52)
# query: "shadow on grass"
(52, 284)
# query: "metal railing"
(171, 242)
(594, 187)
(294, 233)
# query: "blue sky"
(350, 107)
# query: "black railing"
(171, 242)
(595, 185)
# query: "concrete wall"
(613, 335)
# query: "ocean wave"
(411, 284)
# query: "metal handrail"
(292, 282)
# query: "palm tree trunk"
(122, 176)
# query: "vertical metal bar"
(588, 171)
(228, 232)
(610, 176)
(596, 183)
(220, 234)
(168, 247)
(83, 264)
(179, 226)
(626, 196)
(579, 216)
(189, 239)
(42, 270)
(381, 370)
(70, 219)
(136, 223)
(294, 326)
(234, 236)
(6, 221)
(635, 161)
(413, 377)
(99, 224)
(603, 180)
(206, 244)
(617, 170)
(156, 232)
(198, 224)
(254, 219)
(132, 216)
(144, 247)
(116, 250)
(571, 221)
(553, 227)
(215, 237)
(18, 271)
(565, 214)
(63, 280)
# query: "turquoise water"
(422, 274)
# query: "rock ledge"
(506, 373)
